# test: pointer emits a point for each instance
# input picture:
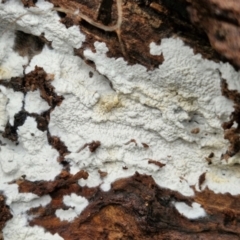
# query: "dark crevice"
(10, 133)
(19, 118)
(225, 18)
(60, 146)
(61, 14)
(27, 45)
(29, 3)
(178, 7)
(232, 133)
(105, 12)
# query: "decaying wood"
(221, 21)
(5, 214)
(130, 27)
(136, 208)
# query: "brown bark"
(135, 208)
(5, 214)
(221, 21)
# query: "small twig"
(131, 141)
(115, 28)
(159, 164)
(95, 24)
(92, 146)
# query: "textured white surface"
(159, 108)
(194, 212)
(13, 105)
(34, 103)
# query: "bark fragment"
(231, 132)
(221, 22)
(5, 214)
(136, 208)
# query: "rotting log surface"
(135, 208)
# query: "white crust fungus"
(193, 212)
(77, 204)
(13, 104)
(34, 103)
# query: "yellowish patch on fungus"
(4, 73)
(108, 102)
